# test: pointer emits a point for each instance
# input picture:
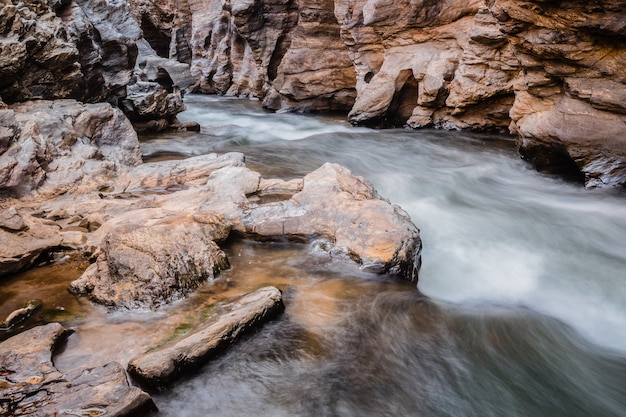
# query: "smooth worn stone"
(167, 363)
(21, 314)
(30, 385)
(345, 210)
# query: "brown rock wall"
(492, 65)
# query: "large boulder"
(569, 112)
(30, 385)
(55, 146)
(152, 263)
(165, 220)
(164, 364)
(345, 210)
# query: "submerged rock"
(167, 363)
(30, 385)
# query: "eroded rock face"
(30, 385)
(288, 53)
(552, 73)
(91, 51)
(570, 106)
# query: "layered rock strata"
(30, 385)
(550, 72)
(165, 364)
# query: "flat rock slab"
(162, 366)
(30, 385)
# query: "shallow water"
(520, 309)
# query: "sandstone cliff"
(551, 72)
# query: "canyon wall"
(552, 73)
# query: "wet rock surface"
(160, 241)
(165, 364)
(31, 385)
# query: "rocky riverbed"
(152, 232)
(80, 78)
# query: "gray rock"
(64, 145)
(167, 363)
(31, 385)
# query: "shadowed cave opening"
(404, 99)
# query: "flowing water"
(520, 309)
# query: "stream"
(520, 308)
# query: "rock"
(89, 50)
(11, 221)
(166, 218)
(64, 145)
(193, 171)
(31, 385)
(19, 249)
(92, 222)
(350, 215)
(146, 265)
(288, 53)
(454, 64)
(21, 314)
(167, 363)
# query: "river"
(520, 308)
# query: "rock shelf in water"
(165, 364)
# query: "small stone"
(11, 220)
